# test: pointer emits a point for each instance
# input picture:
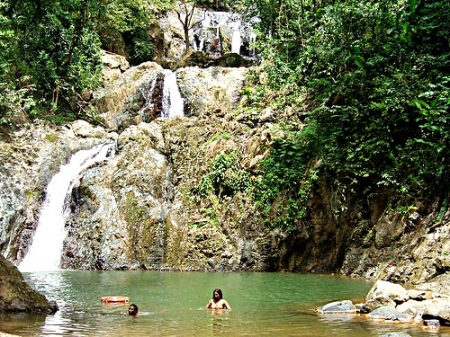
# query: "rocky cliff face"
(29, 159)
(17, 296)
(142, 209)
(135, 211)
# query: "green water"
(173, 304)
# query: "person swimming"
(217, 301)
(133, 310)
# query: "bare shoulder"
(226, 304)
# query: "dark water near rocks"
(172, 304)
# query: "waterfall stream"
(236, 40)
(173, 103)
(231, 33)
(45, 251)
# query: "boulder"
(17, 296)
(437, 308)
(389, 314)
(378, 302)
(388, 290)
(345, 306)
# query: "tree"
(185, 12)
(123, 26)
(57, 47)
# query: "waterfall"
(236, 40)
(173, 103)
(252, 42)
(149, 107)
(46, 248)
(207, 20)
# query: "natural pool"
(172, 304)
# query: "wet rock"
(389, 314)
(121, 100)
(433, 324)
(345, 306)
(377, 302)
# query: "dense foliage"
(375, 78)
(50, 50)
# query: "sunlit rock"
(387, 289)
(389, 314)
(346, 306)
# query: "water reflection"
(172, 304)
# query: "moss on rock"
(16, 295)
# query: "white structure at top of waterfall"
(207, 20)
(173, 103)
(236, 39)
(46, 248)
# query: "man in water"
(133, 310)
(217, 302)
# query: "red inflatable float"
(114, 299)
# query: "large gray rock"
(345, 306)
(214, 90)
(388, 290)
(17, 296)
(437, 308)
(389, 314)
(121, 100)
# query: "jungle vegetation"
(370, 81)
(50, 50)
(373, 81)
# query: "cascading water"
(173, 103)
(45, 251)
(207, 20)
(150, 107)
(236, 40)
(252, 43)
(216, 33)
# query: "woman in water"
(217, 302)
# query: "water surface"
(172, 304)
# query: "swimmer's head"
(133, 310)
